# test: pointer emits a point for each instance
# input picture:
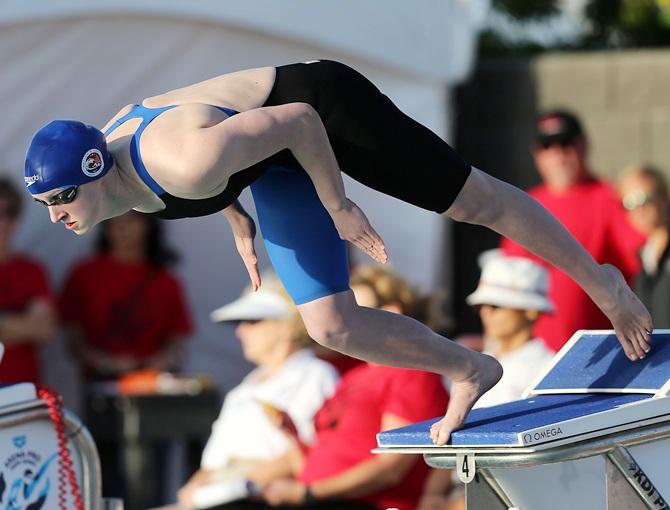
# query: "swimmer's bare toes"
(464, 394)
(642, 343)
(632, 347)
(628, 348)
(440, 433)
(635, 344)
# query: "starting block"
(34, 435)
(592, 432)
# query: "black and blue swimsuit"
(374, 143)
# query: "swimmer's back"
(240, 90)
(196, 108)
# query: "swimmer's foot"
(630, 319)
(463, 395)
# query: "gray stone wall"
(623, 99)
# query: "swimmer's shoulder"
(123, 111)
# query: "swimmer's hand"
(244, 232)
(353, 226)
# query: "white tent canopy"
(85, 60)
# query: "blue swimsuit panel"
(299, 235)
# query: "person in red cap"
(288, 132)
(590, 209)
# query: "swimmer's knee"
(330, 328)
(330, 320)
(334, 336)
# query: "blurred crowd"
(298, 430)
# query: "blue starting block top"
(589, 389)
(595, 362)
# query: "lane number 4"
(465, 467)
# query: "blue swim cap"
(65, 153)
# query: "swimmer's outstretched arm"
(244, 232)
(485, 200)
(210, 155)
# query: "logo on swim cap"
(92, 163)
(30, 180)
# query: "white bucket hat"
(269, 302)
(513, 282)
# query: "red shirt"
(341, 362)
(347, 424)
(22, 280)
(592, 212)
(125, 309)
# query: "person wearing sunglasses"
(644, 195)
(590, 209)
(27, 309)
(287, 132)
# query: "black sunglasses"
(545, 144)
(64, 197)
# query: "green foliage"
(627, 23)
(492, 43)
(609, 24)
(525, 10)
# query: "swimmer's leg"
(337, 322)
(383, 148)
(374, 141)
(514, 214)
(311, 261)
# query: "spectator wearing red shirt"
(590, 210)
(27, 317)
(123, 309)
(369, 399)
(338, 471)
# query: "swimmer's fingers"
(244, 231)
(368, 249)
(245, 247)
(353, 226)
(376, 244)
(374, 247)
